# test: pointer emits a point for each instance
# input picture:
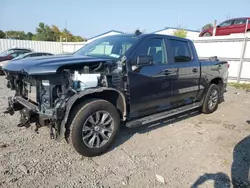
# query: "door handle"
(169, 72)
(195, 70)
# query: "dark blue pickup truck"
(129, 80)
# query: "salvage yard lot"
(183, 152)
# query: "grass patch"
(240, 85)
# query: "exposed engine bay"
(42, 99)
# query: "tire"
(207, 34)
(85, 124)
(212, 96)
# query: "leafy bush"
(180, 33)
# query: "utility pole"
(214, 27)
(247, 22)
(243, 50)
(66, 30)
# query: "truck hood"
(49, 64)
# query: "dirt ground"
(194, 150)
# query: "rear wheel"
(211, 100)
(95, 127)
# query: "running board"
(161, 115)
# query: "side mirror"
(144, 60)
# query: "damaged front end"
(39, 99)
(42, 99)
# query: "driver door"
(149, 86)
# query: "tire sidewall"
(207, 34)
(206, 108)
(87, 110)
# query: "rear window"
(240, 21)
(180, 51)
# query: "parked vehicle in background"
(12, 53)
(32, 54)
(22, 56)
(231, 26)
(116, 80)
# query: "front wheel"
(95, 127)
(211, 100)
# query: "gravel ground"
(195, 150)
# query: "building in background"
(108, 33)
(166, 31)
(171, 30)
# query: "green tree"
(29, 36)
(16, 34)
(209, 25)
(34, 37)
(44, 33)
(78, 39)
(67, 36)
(180, 33)
(2, 34)
(56, 32)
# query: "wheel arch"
(217, 81)
(112, 95)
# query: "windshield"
(110, 47)
(6, 52)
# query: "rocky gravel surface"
(194, 150)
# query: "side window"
(155, 48)
(21, 52)
(9, 52)
(125, 47)
(226, 23)
(35, 55)
(180, 51)
(15, 54)
(30, 55)
(240, 21)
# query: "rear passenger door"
(187, 68)
(239, 25)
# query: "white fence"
(69, 47)
(38, 46)
(42, 46)
(235, 49)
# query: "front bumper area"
(17, 103)
(29, 114)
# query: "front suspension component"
(24, 118)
